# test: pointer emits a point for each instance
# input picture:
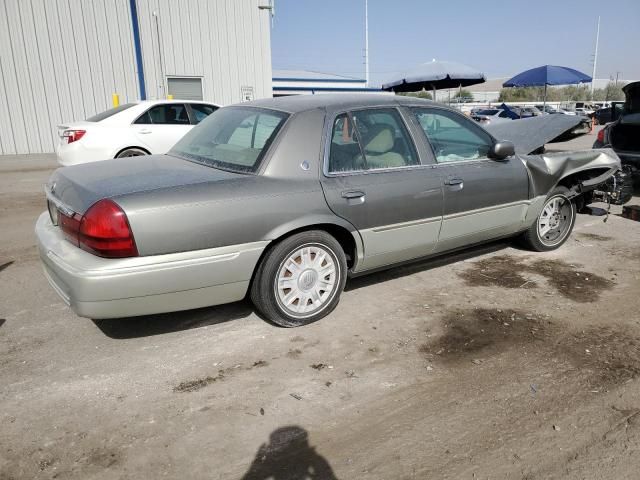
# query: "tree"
(611, 92)
(421, 94)
(463, 94)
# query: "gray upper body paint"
(174, 204)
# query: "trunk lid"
(80, 186)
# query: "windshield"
(487, 112)
(108, 113)
(232, 138)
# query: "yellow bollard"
(115, 98)
(169, 97)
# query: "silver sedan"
(284, 199)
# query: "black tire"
(131, 152)
(266, 293)
(533, 239)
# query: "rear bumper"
(77, 152)
(97, 287)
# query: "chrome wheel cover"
(555, 220)
(307, 280)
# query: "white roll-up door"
(185, 88)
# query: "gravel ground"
(492, 363)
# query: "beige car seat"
(377, 148)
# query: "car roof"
(155, 102)
(340, 101)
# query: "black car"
(606, 115)
(623, 133)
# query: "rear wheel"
(131, 152)
(554, 224)
(300, 279)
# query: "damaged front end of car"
(590, 175)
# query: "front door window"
(453, 137)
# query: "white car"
(491, 116)
(131, 129)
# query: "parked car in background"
(488, 116)
(584, 112)
(583, 108)
(547, 109)
(285, 198)
(623, 133)
(131, 129)
(608, 113)
(530, 112)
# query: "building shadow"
(149, 325)
(288, 456)
(2, 321)
(430, 263)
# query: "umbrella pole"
(434, 92)
(544, 104)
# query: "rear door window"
(370, 139)
(165, 114)
(201, 111)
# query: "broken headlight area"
(616, 190)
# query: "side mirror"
(502, 149)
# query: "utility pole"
(595, 56)
(366, 42)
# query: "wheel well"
(575, 178)
(341, 234)
(131, 146)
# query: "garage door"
(185, 88)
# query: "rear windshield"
(108, 113)
(486, 112)
(232, 138)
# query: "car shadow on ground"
(428, 264)
(149, 325)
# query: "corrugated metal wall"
(61, 60)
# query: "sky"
(500, 38)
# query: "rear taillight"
(103, 230)
(600, 136)
(73, 135)
(70, 226)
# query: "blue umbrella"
(547, 75)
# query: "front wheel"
(300, 279)
(554, 224)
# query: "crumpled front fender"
(547, 170)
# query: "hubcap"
(307, 280)
(555, 220)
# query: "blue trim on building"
(325, 89)
(328, 80)
(138, 48)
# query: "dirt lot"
(495, 363)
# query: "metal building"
(62, 60)
(299, 82)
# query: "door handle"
(353, 197)
(144, 131)
(351, 194)
(453, 181)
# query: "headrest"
(379, 139)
